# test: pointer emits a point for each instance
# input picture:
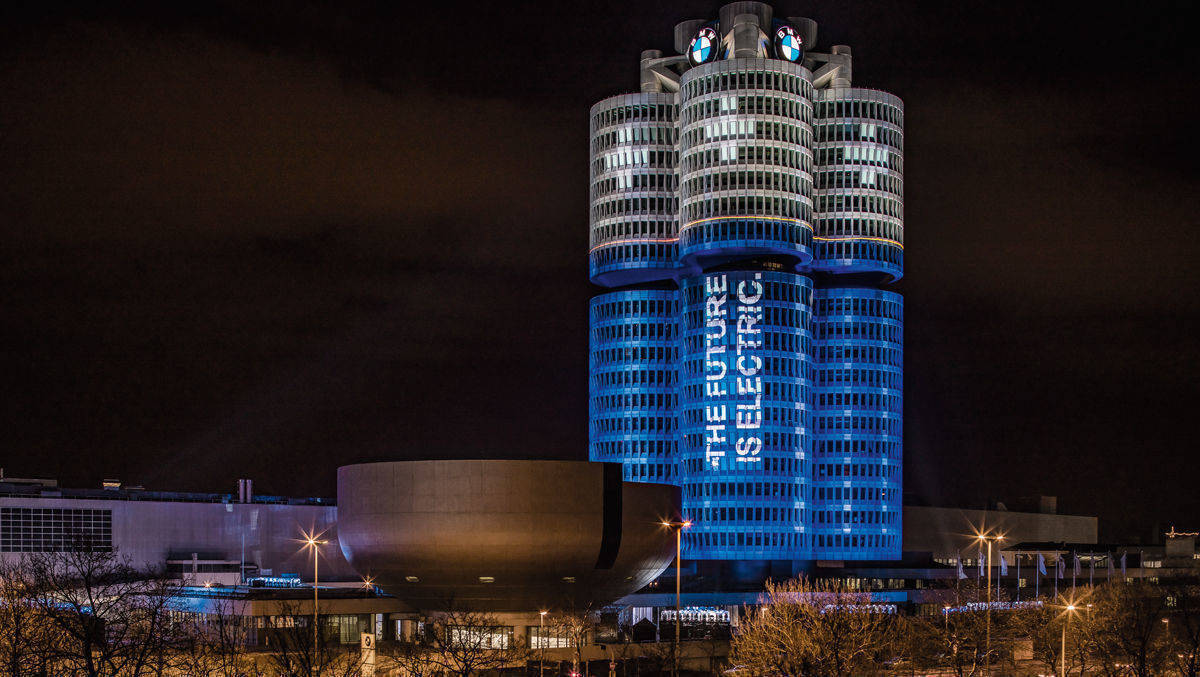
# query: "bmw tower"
(746, 219)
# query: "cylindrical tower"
(859, 145)
(745, 382)
(745, 150)
(632, 382)
(857, 429)
(779, 408)
(634, 208)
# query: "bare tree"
(575, 625)
(469, 642)
(409, 659)
(1127, 634)
(815, 628)
(290, 649)
(26, 638)
(109, 618)
(919, 645)
(1183, 636)
(213, 643)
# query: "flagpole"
(1018, 575)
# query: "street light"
(988, 538)
(678, 526)
(542, 631)
(311, 541)
(1070, 608)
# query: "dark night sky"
(267, 239)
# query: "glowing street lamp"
(311, 541)
(988, 538)
(678, 526)
(542, 653)
(1070, 610)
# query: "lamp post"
(311, 541)
(542, 641)
(988, 538)
(1063, 657)
(678, 526)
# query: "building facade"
(746, 216)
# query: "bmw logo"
(788, 44)
(703, 47)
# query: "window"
(54, 529)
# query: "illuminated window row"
(635, 135)
(622, 206)
(858, 131)
(640, 354)
(875, 110)
(633, 157)
(631, 378)
(859, 155)
(866, 302)
(649, 472)
(789, 390)
(853, 542)
(613, 112)
(882, 227)
(890, 355)
(791, 157)
(747, 515)
(858, 377)
(784, 416)
(633, 181)
(659, 307)
(854, 493)
(742, 129)
(633, 400)
(849, 399)
(786, 541)
(859, 447)
(870, 329)
(872, 178)
(633, 424)
(792, 107)
(747, 179)
(860, 202)
(606, 232)
(652, 252)
(786, 466)
(841, 517)
(797, 209)
(633, 448)
(881, 424)
(843, 470)
(744, 489)
(756, 75)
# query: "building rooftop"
(12, 487)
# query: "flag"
(1122, 564)
(1092, 566)
(1003, 566)
(1076, 555)
(1060, 568)
(1041, 564)
(981, 563)
(961, 575)
(1110, 565)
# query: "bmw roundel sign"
(789, 46)
(703, 47)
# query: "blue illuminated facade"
(746, 217)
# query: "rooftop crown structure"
(746, 215)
